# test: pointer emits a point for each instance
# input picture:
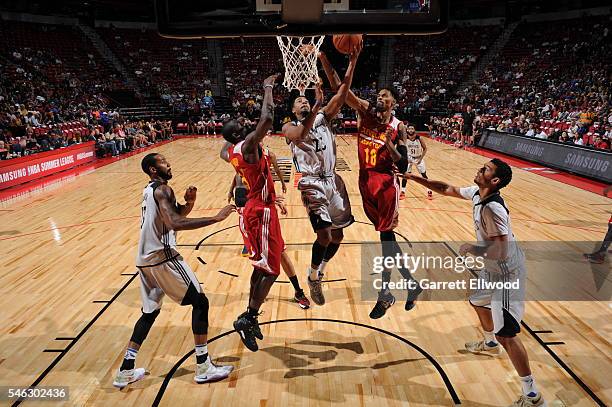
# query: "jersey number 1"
(317, 148)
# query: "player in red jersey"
(381, 148)
(260, 215)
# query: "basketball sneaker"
(245, 252)
(245, 327)
(402, 196)
(429, 194)
(125, 377)
(301, 299)
(412, 297)
(209, 372)
(527, 401)
(256, 328)
(385, 301)
(481, 348)
(316, 292)
(596, 257)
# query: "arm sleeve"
(468, 192)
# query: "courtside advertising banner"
(583, 161)
(24, 169)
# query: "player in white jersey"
(416, 153)
(324, 195)
(500, 310)
(163, 271)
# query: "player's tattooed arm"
(175, 221)
(437, 186)
(339, 99)
(298, 133)
(250, 147)
(190, 197)
(360, 105)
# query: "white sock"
(490, 338)
(201, 350)
(404, 189)
(130, 353)
(529, 386)
(322, 268)
(313, 274)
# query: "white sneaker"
(125, 377)
(480, 347)
(526, 401)
(209, 372)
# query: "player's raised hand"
(190, 194)
(225, 212)
(389, 135)
(356, 51)
(270, 80)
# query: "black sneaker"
(412, 297)
(245, 327)
(256, 329)
(385, 301)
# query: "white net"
(300, 59)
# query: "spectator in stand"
(542, 134)
(600, 144)
(578, 140)
(469, 116)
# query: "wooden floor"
(69, 298)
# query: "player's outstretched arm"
(297, 133)
(250, 148)
(339, 99)
(360, 105)
(172, 218)
(438, 186)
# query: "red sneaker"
(301, 299)
(402, 196)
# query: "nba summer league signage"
(591, 163)
(28, 168)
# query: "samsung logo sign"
(529, 149)
(581, 161)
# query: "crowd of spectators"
(551, 81)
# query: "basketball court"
(72, 296)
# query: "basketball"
(345, 43)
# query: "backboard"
(237, 18)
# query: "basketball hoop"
(300, 60)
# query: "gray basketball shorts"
(171, 278)
(326, 201)
(420, 166)
(507, 305)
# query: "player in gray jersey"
(163, 271)
(500, 310)
(416, 153)
(324, 195)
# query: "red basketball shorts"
(262, 229)
(380, 196)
